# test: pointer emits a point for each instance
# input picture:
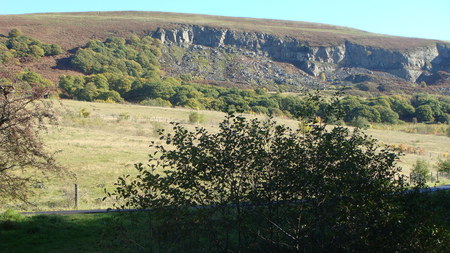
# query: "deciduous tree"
(23, 115)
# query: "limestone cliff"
(411, 65)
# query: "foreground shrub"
(262, 187)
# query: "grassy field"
(99, 148)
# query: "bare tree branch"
(23, 115)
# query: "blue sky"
(411, 18)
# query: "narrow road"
(440, 188)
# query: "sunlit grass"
(100, 148)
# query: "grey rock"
(406, 64)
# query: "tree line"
(119, 69)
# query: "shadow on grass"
(185, 231)
(109, 232)
(57, 233)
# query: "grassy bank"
(131, 232)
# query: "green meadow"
(98, 142)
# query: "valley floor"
(99, 147)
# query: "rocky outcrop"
(407, 64)
(235, 65)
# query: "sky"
(411, 18)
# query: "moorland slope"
(249, 51)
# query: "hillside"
(75, 29)
(250, 52)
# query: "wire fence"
(436, 177)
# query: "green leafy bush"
(11, 215)
(443, 165)
(156, 102)
(260, 187)
(84, 113)
(420, 173)
(424, 113)
(195, 117)
(9, 219)
(135, 57)
(360, 122)
(34, 79)
(14, 33)
(26, 48)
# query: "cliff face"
(412, 65)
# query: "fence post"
(76, 196)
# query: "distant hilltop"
(254, 51)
